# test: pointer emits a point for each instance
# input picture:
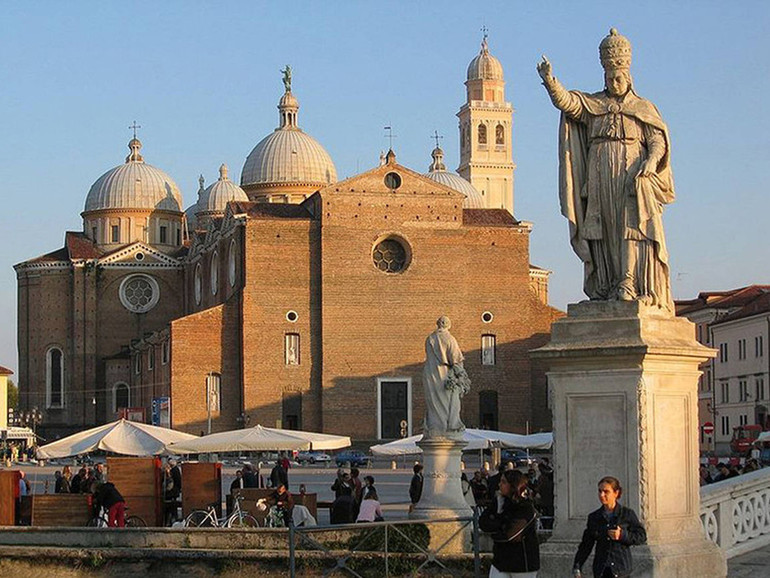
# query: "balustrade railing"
(735, 513)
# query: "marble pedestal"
(442, 493)
(623, 392)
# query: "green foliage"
(13, 395)
(406, 538)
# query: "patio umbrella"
(259, 438)
(120, 437)
(478, 439)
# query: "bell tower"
(486, 119)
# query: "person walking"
(612, 528)
(343, 507)
(278, 475)
(512, 521)
(415, 486)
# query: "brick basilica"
(292, 299)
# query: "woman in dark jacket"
(512, 519)
(613, 529)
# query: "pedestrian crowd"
(710, 473)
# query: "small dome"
(216, 197)
(134, 185)
(485, 66)
(439, 174)
(288, 155)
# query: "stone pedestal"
(442, 493)
(623, 391)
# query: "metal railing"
(304, 536)
(735, 513)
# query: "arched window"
(214, 273)
(198, 284)
(54, 378)
(231, 263)
(121, 397)
(499, 134)
(482, 134)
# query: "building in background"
(733, 389)
(292, 299)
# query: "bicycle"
(101, 520)
(208, 518)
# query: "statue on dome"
(614, 178)
(287, 78)
(445, 381)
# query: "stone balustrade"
(735, 513)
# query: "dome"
(485, 66)
(439, 174)
(288, 155)
(216, 197)
(134, 185)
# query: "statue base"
(623, 388)
(442, 494)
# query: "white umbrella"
(120, 437)
(478, 439)
(258, 439)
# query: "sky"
(202, 79)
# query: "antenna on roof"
(390, 136)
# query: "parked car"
(518, 457)
(353, 458)
(312, 457)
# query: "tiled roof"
(270, 210)
(729, 299)
(52, 257)
(5, 371)
(80, 247)
(488, 218)
(758, 305)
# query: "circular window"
(198, 284)
(391, 255)
(139, 256)
(231, 264)
(139, 293)
(292, 316)
(392, 180)
(214, 273)
(487, 317)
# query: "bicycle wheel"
(198, 519)
(242, 521)
(135, 522)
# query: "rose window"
(139, 293)
(390, 256)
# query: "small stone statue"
(287, 78)
(445, 382)
(614, 178)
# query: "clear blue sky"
(203, 81)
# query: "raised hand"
(544, 69)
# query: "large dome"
(439, 174)
(134, 185)
(288, 155)
(485, 66)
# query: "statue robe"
(603, 143)
(442, 405)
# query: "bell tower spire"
(486, 119)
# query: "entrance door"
(394, 407)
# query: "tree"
(13, 395)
